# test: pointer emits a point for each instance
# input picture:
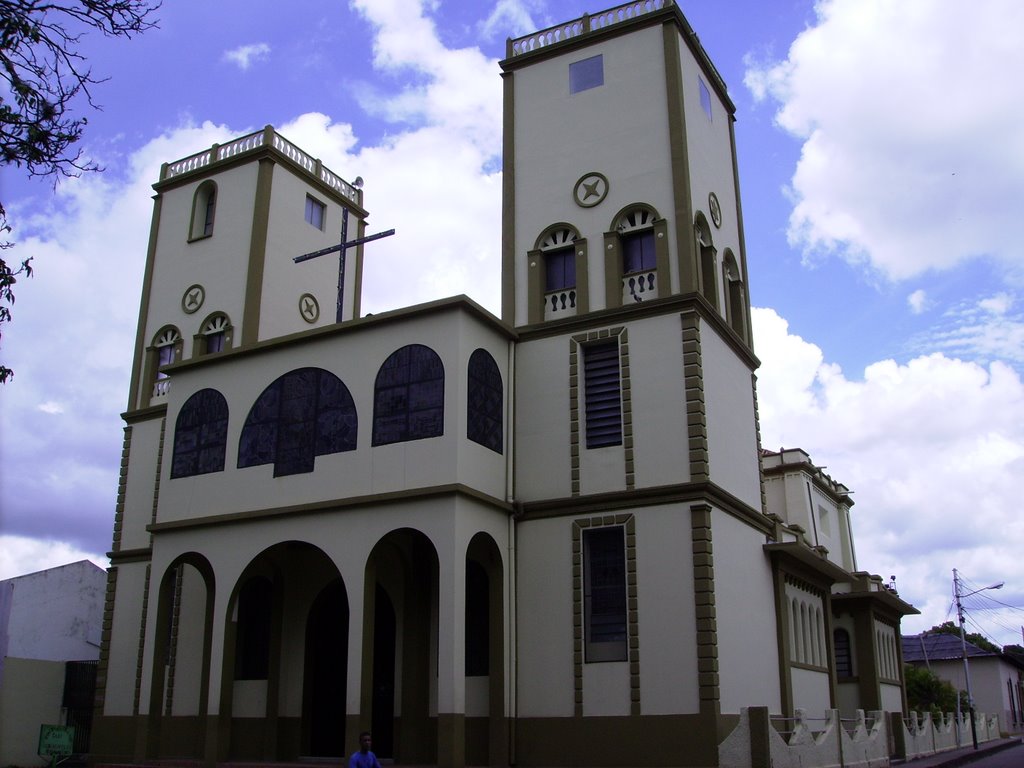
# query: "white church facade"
(549, 538)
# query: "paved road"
(1007, 758)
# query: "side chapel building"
(544, 539)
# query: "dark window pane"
(605, 593)
(306, 413)
(484, 402)
(408, 400)
(586, 74)
(638, 252)
(560, 269)
(200, 435)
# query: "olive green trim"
(614, 273)
(172, 651)
(536, 301)
(576, 415)
(784, 637)
(696, 412)
(679, 163)
(451, 739)
(257, 252)
(670, 15)
(142, 641)
(460, 303)
(760, 450)
(628, 523)
(707, 261)
(654, 308)
(612, 270)
(134, 388)
(199, 338)
(156, 478)
(122, 486)
(150, 413)
(334, 506)
(103, 664)
(865, 654)
(748, 334)
(508, 197)
(124, 556)
(613, 501)
(800, 560)
(708, 690)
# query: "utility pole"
(958, 595)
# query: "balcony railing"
(583, 25)
(560, 304)
(639, 286)
(252, 142)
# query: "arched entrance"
(326, 672)
(179, 699)
(400, 646)
(486, 734)
(285, 657)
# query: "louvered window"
(602, 394)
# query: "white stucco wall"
(56, 614)
(729, 404)
(745, 605)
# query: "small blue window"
(705, 98)
(586, 74)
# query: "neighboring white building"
(997, 679)
(47, 619)
(844, 624)
(541, 539)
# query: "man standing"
(364, 758)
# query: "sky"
(881, 153)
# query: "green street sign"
(56, 740)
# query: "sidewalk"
(962, 756)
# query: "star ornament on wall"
(590, 190)
(193, 299)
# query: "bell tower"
(619, 170)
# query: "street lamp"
(963, 647)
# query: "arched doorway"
(400, 646)
(486, 735)
(285, 657)
(326, 672)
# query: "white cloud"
(509, 18)
(933, 450)
(244, 56)
(997, 305)
(20, 555)
(918, 301)
(913, 147)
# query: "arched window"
(214, 335)
(636, 256)
(306, 413)
(204, 208)
(408, 396)
(735, 301)
(484, 401)
(707, 261)
(557, 274)
(200, 435)
(166, 349)
(844, 655)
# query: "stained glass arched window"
(200, 434)
(306, 413)
(484, 401)
(408, 396)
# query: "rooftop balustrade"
(252, 142)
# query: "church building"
(549, 538)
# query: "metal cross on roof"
(343, 246)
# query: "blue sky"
(881, 150)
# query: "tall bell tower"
(620, 170)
